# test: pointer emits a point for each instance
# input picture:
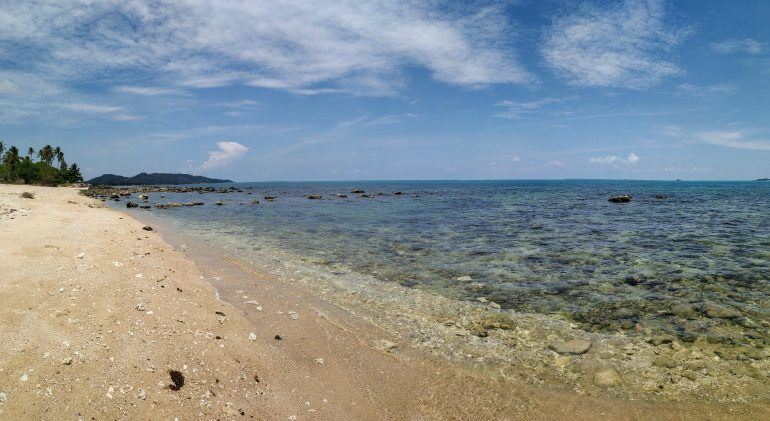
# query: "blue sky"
(399, 89)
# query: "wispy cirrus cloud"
(228, 152)
(92, 108)
(702, 90)
(631, 159)
(516, 110)
(731, 46)
(734, 139)
(617, 45)
(114, 112)
(304, 47)
(150, 90)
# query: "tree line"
(15, 168)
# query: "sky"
(398, 89)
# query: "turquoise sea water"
(663, 260)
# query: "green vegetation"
(17, 169)
(152, 179)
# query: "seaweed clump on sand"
(177, 380)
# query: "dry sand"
(95, 312)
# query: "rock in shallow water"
(620, 199)
(720, 312)
(607, 378)
(576, 346)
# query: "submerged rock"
(357, 191)
(314, 196)
(168, 205)
(607, 378)
(720, 312)
(576, 346)
(132, 205)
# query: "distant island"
(154, 178)
(763, 179)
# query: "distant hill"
(154, 178)
(763, 179)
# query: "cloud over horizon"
(734, 139)
(631, 159)
(228, 152)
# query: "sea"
(681, 257)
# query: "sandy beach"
(101, 319)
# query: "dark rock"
(278, 337)
(269, 198)
(357, 191)
(220, 203)
(147, 228)
(620, 199)
(255, 202)
(27, 195)
(132, 205)
(340, 195)
(314, 196)
(177, 380)
(398, 193)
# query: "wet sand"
(97, 311)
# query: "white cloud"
(92, 108)
(734, 139)
(619, 45)
(516, 110)
(149, 90)
(732, 46)
(307, 47)
(631, 159)
(114, 112)
(239, 104)
(720, 88)
(228, 152)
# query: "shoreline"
(360, 376)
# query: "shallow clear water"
(538, 246)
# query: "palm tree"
(59, 156)
(46, 154)
(74, 174)
(11, 159)
(2, 148)
(30, 151)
